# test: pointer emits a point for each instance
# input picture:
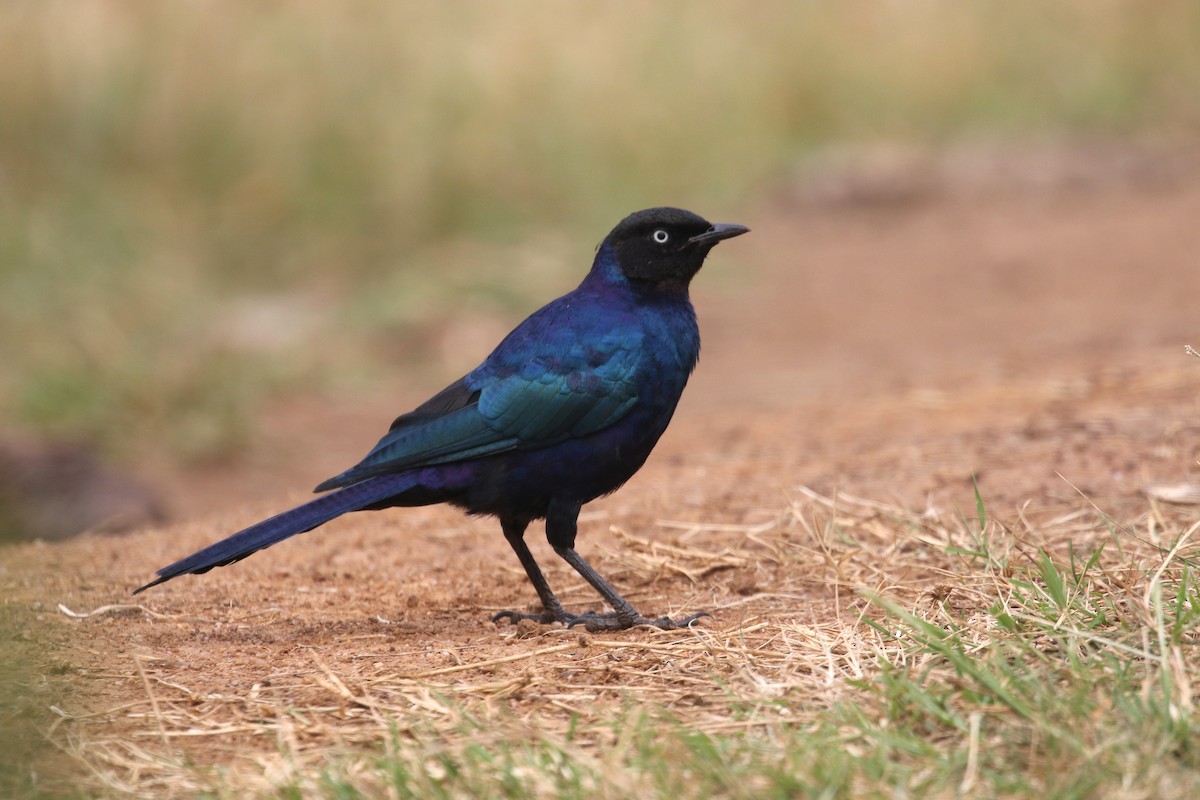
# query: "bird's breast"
(671, 347)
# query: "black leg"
(553, 611)
(561, 526)
(624, 615)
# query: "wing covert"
(503, 406)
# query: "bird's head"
(665, 247)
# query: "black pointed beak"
(719, 231)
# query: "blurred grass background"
(202, 204)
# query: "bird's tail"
(289, 523)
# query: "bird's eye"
(660, 236)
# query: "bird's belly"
(522, 483)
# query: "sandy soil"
(888, 347)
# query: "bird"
(565, 410)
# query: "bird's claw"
(593, 622)
(544, 618)
(618, 622)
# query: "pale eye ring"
(660, 236)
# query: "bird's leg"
(624, 615)
(561, 526)
(553, 611)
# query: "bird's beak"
(719, 231)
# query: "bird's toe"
(514, 617)
(619, 622)
(594, 622)
(670, 624)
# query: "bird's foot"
(616, 621)
(544, 618)
(593, 621)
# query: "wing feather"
(503, 407)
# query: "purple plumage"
(566, 409)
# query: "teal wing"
(504, 406)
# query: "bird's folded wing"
(544, 402)
(549, 400)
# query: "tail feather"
(298, 520)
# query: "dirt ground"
(1025, 328)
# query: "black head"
(665, 247)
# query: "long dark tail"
(279, 527)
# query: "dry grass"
(923, 652)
